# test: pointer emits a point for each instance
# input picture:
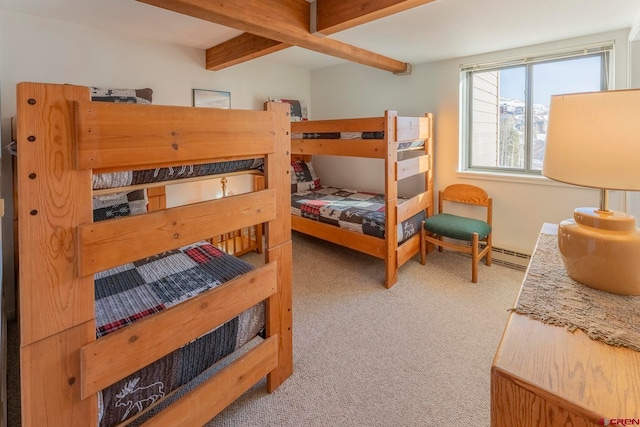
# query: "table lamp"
(593, 140)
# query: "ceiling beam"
(285, 21)
(332, 16)
(240, 49)
(339, 15)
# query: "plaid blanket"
(357, 211)
(123, 179)
(117, 205)
(130, 292)
(346, 136)
(133, 291)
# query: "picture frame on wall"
(211, 98)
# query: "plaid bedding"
(338, 135)
(405, 145)
(133, 291)
(357, 211)
(123, 179)
(117, 205)
(130, 292)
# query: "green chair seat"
(456, 227)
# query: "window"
(506, 105)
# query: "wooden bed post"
(56, 305)
(278, 245)
(391, 196)
(428, 176)
(157, 198)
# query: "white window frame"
(605, 49)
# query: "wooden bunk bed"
(63, 138)
(381, 138)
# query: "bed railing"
(405, 129)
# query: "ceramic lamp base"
(602, 250)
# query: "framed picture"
(211, 98)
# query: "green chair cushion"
(456, 227)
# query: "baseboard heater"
(508, 258)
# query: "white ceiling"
(439, 30)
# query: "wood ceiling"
(273, 25)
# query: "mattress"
(147, 176)
(355, 136)
(358, 211)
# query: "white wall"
(43, 50)
(520, 206)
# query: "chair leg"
(474, 258)
(488, 260)
(423, 245)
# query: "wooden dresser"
(543, 375)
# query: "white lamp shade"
(593, 140)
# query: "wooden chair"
(444, 225)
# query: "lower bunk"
(357, 220)
(131, 292)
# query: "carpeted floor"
(418, 354)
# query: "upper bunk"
(64, 138)
(372, 137)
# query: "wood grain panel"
(413, 166)
(115, 242)
(53, 199)
(117, 136)
(367, 124)
(370, 245)
(391, 196)
(412, 128)
(151, 338)
(570, 368)
(277, 176)
(157, 198)
(463, 193)
(50, 380)
(408, 249)
(412, 206)
(371, 148)
(513, 405)
(280, 316)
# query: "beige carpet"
(418, 354)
